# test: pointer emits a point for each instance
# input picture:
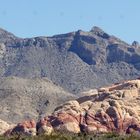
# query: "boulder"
(26, 128)
(4, 126)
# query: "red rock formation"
(26, 127)
(114, 108)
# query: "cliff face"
(76, 61)
(109, 109)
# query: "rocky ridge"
(109, 109)
(76, 61)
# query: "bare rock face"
(44, 126)
(114, 108)
(2, 49)
(27, 128)
(4, 126)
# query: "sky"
(30, 18)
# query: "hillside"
(22, 99)
(76, 61)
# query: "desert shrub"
(65, 136)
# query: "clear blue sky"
(28, 18)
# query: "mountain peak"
(96, 29)
(99, 32)
(4, 33)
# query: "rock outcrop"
(25, 128)
(4, 126)
(2, 50)
(112, 109)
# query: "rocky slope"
(109, 109)
(22, 99)
(38, 74)
(76, 61)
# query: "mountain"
(38, 74)
(22, 99)
(76, 61)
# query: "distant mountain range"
(73, 63)
(76, 61)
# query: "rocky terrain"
(114, 108)
(76, 61)
(109, 109)
(22, 98)
(38, 74)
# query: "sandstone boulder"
(26, 127)
(4, 126)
